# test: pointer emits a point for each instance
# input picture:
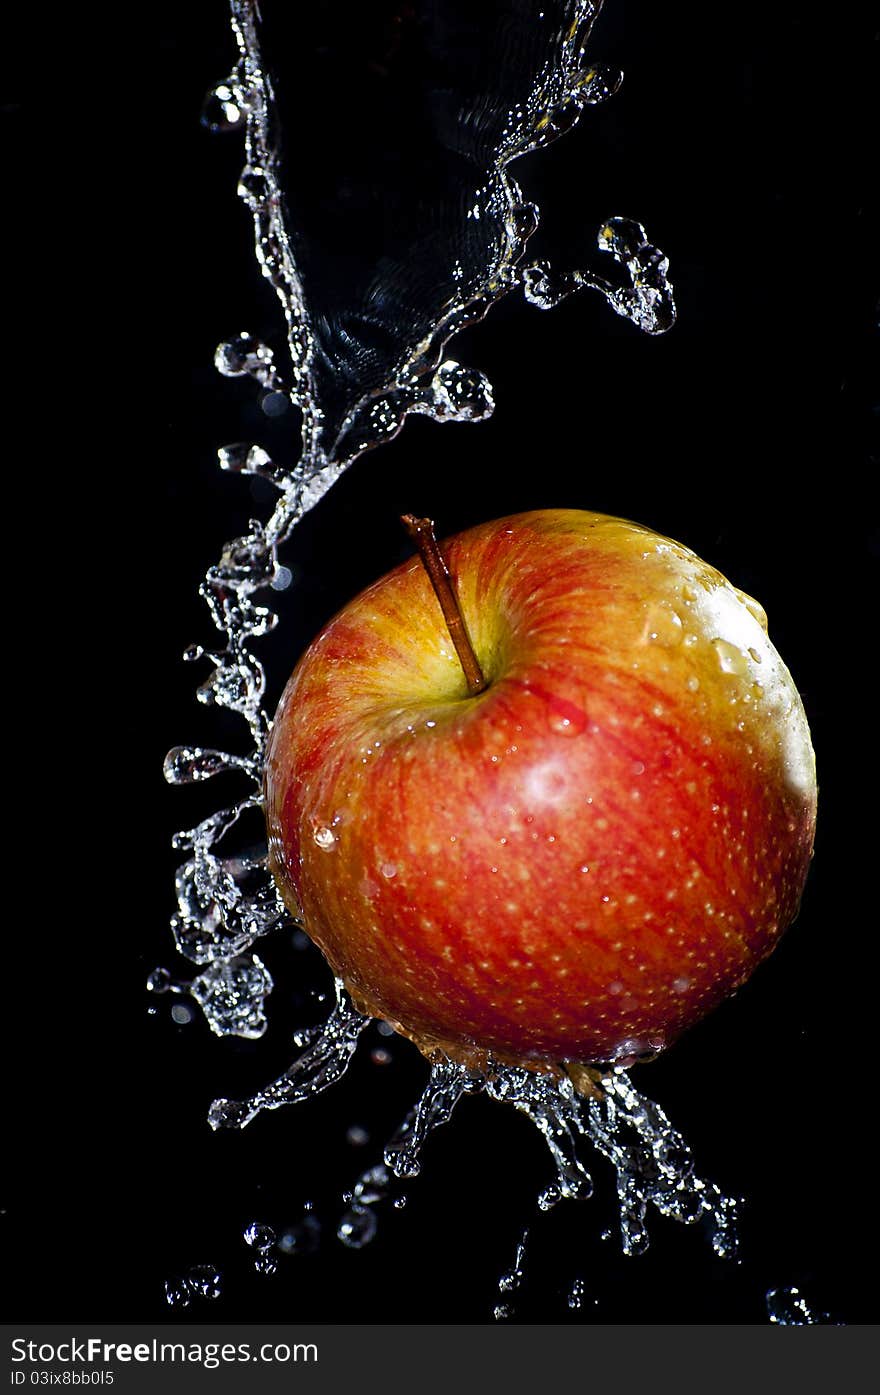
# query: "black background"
(745, 433)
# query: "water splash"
(510, 1281)
(225, 903)
(349, 400)
(646, 299)
(652, 1163)
(374, 1191)
(320, 1066)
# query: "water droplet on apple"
(388, 869)
(566, 718)
(731, 658)
(663, 626)
(324, 838)
(753, 607)
(693, 683)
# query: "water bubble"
(205, 1280)
(324, 838)
(244, 356)
(275, 403)
(243, 458)
(282, 578)
(253, 186)
(557, 120)
(524, 219)
(622, 238)
(576, 1295)
(724, 1216)
(301, 1239)
(228, 1114)
(159, 981)
(258, 1236)
(182, 1014)
(233, 457)
(787, 1307)
(597, 83)
(224, 107)
(357, 1228)
(177, 1293)
(265, 1265)
(457, 394)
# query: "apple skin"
(578, 863)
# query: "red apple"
(577, 863)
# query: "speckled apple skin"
(581, 861)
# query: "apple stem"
(421, 530)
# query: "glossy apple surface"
(579, 862)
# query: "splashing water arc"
(352, 396)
